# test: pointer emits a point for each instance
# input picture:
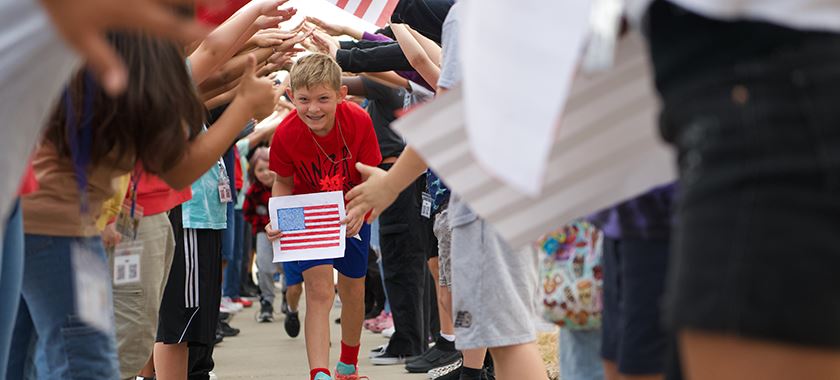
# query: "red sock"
(349, 354)
(315, 371)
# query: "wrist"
(391, 184)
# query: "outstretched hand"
(374, 195)
(256, 91)
(331, 29)
(84, 23)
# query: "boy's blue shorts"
(353, 264)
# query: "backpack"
(571, 276)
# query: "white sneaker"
(378, 351)
(227, 303)
(212, 375)
(389, 332)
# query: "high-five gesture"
(257, 92)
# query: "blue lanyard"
(80, 150)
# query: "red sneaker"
(244, 302)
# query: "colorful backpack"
(571, 275)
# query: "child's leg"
(320, 294)
(171, 361)
(521, 361)
(352, 293)
(293, 293)
(266, 267)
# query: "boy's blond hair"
(313, 70)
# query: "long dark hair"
(153, 120)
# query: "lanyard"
(80, 149)
(135, 180)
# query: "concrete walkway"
(264, 351)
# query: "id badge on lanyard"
(127, 253)
(225, 193)
(90, 271)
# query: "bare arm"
(218, 82)
(355, 86)
(430, 47)
(221, 44)
(336, 29)
(417, 57)
(389, 78)
(381, 188)
(254, 99)
(221, 99)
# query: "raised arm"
(389, 78)
(416, 55)
(336, 29)
(255, 98)
(221, 44)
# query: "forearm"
(389, 78)
(430, 47)
(206, 149)
(231, 71)
(416, 55)
(282, 186)
(223, 98)
(406, 170)
(220, 44)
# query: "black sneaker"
(224, 317)
(292, 324)
(390, 359)
(448, 372)
(432, 358)
(266, 313)
(227, 330)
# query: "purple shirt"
(410, 75)
(647, 216)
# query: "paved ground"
(264, 351)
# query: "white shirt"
(817, 15)
(34, 65)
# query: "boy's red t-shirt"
(295, 153)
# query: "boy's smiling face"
(316, 106)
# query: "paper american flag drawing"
(309, 227)
(377, 12)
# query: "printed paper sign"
(311, 226)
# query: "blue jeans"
(64, 346)
(580, 356)
(11, 275)
(233, 271)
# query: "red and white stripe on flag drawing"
(321, 229)
(377, 12)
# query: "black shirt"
(383, 103)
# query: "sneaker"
(212, 376)
(227, 330)
(292, 324)
(378, 351)
(245, 303)
(389, 332)
(224, 316)
(389, 359)
(348, 372)
(448, 372)
(323, 376)
(382, 324)
(266, 312)
(432, 358)
(230, 306)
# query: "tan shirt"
(55, 208)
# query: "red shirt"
(155, 196)
(294, 151)
(255, 207)
(218, 15)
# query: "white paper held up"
(311, 226)
(607, 150)
(518, 61)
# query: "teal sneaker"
(323, 376)
(347, 372)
